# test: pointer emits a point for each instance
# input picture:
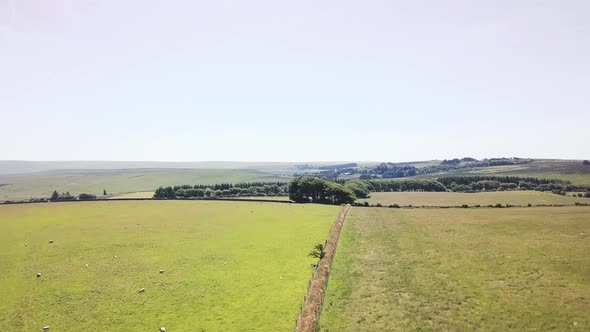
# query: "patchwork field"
(228, 266)
(566, 170)
(482, 198)
(25, 186)
(461, 270)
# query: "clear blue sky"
(293, 81)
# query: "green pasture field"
(229, 266)
(521, 198)
(566, 170)
(25, 186)
(517, 269)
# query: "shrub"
(499, 205)
(379, 205)
(365, 203)
(465, 206)
(394, 206)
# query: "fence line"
(313, 300)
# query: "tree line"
(55, 196)
(500, 183)
(223, 190)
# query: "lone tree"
(54, 196)
(104, 192)
(586, 162)
(318, 251)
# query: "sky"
(293, 80)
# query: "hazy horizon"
(186, 81)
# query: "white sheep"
(142, 290)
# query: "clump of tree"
(307, 189)
(586, 163)
(361, 188)
(85, 196)
(55, 196)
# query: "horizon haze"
(388, 80)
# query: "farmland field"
(566, 170)
(25, 186)
(229, 266)
(461, 270)
(482, 198)
(139, 194)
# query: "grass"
(223, 262)
(25, 186)
(140, 194)
(461, 270)
(483, 198)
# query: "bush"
(318, 251)
(465, 206)
(529, 205)
(499, 205)
(365, 203)
(394, 206)
(379, 205)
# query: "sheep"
(162, 329)
(46, 328)
(142, 290)
(162, 271)
(39, 275)
(50, 241)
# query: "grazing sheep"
(162, 329)
(39, 275)
(114, 256)
(162, 271)
(46, 328)
(142, 290)
(50, 241)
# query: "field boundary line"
(309, 314)
(152, 199)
